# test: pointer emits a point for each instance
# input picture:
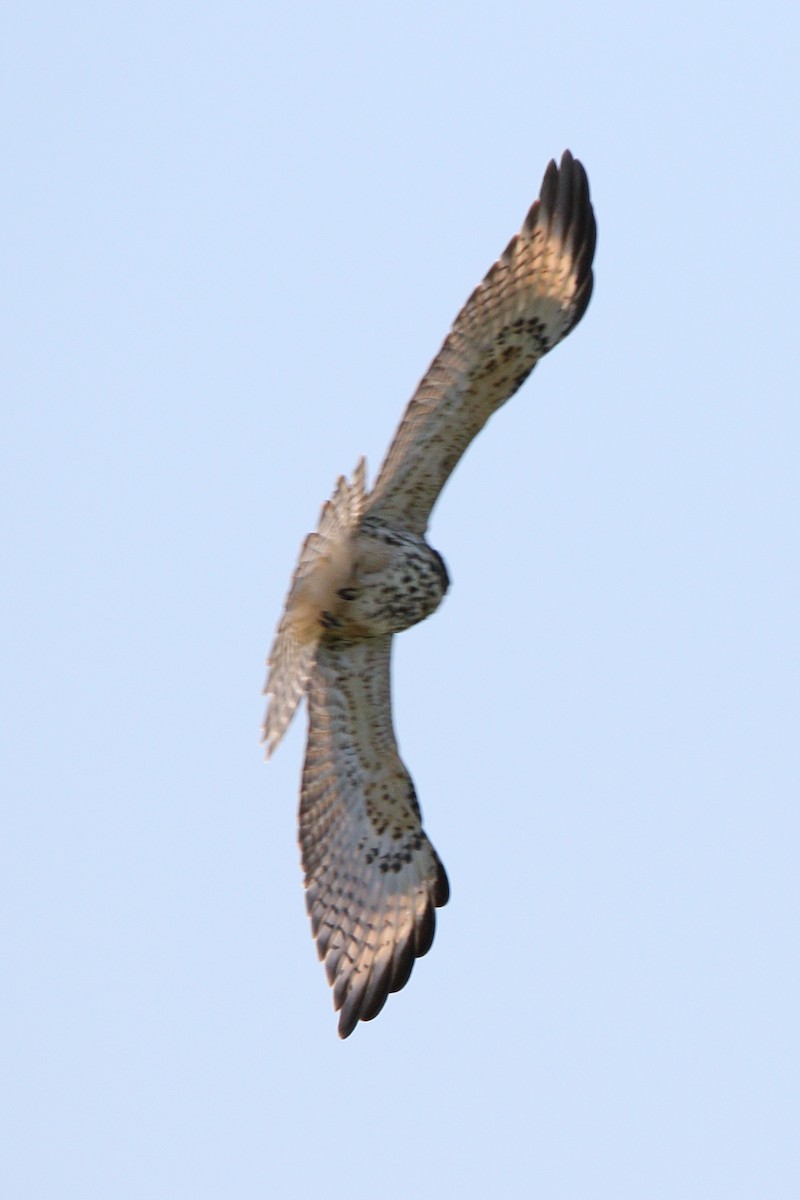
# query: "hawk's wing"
(373, 879)
(535, 293)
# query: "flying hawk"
(373, 880)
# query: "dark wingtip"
(347, 1023)
(441, 887)
(548, 192)
(564, 194)
(363, 1002)
(565, 206)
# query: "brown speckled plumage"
(373, 880)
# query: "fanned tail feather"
(324, 566)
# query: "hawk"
(373, 880)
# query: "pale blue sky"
(233, 237)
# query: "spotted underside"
(373, 879)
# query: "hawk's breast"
(397, 581)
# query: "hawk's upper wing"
(373, 879)
(535, 293)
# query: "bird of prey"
(373, 879)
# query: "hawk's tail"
(324, 567)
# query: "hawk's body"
(373, 879)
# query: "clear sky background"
(234, 235)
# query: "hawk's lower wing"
(373, 879)
(535, 293)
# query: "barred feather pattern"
(372, 877)
(531, 298)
